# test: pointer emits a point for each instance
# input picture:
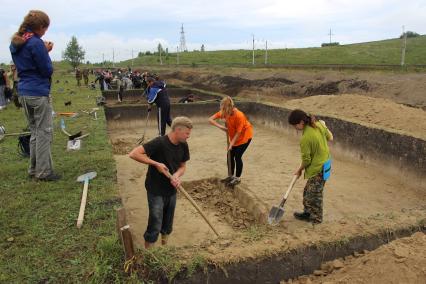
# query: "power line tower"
(182, 40)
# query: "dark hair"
(150, 79)
(298, 115)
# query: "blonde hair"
(226, 106)
(181, 121)
(33, 21)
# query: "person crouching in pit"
(240, 133)
(163, 154)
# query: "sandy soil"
(356, 190)
(382, 113)
(401, 261)
(378, 99)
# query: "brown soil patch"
(221, 199)
(122, 146)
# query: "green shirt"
(314, 149)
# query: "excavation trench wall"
(294, 263)
(135, 95)
(402, 155)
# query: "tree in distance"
(73, 53)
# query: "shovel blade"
(275, 215)
(87, 176)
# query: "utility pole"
(161, 60)
(404, 45)
(177, 55)
(132, 57)
(103, 59)
(266, 52)
(113, 58)
(330, 34)
(253, 48)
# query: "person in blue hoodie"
(30, 54)
(156, 93)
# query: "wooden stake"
(126, 238)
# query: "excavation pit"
(135, 96)
(377, 187)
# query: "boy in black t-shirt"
(163, 154)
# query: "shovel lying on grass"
(277, 212)
(78, 135)
(84, 178)
(3, 133)
(192, 201)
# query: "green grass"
(377, 52)
(39, 241)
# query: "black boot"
(304, 216)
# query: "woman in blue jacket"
(30, 55)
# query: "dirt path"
(401, 261)
(355, 191)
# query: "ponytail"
(33, 21)
(297, 115)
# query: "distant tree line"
(409, 34)
(329, 44)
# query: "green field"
(39, 239)
(384, 52)
(377, 52)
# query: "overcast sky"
(123, 25)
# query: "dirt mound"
(401, 261)
(230, 85)
(336, 87)
(383, 113)
(122, 146)
(212, 195)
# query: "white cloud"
(284, 23)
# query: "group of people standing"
(166, 155)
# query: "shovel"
(142, 139)
(3, 133)
(181, 189)
(84, 178)
(277, 212)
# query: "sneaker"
(228, 179)
(234, 181)
(303, 216)
(50, 177)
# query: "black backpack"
(24, 145)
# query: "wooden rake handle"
(83, 204)
(192, 201)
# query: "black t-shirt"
(163, 151)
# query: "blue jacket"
(157, 94)
(34, 67)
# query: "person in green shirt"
(315, 154)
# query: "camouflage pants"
(312, 197)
